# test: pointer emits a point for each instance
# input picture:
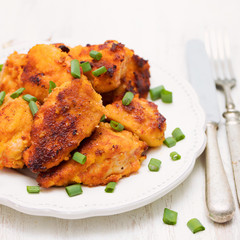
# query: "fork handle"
(233, 134)
(219, 198)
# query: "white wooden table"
(156, 30)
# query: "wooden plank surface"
(156, 30)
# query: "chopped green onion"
(75, 68)
(29, 98)
(74, 190)
(2, 96)
(155, 93)
(86, 66)
(175, 156)
(33, 107)
(128, 97)
(110, 187)
(169, 216)
(17, 93)
(80, 158)
(170, 142)
(1, 67)
(178, 134)
(99, 71)
(154, 165)
(195, 226)
(116, 126)
(103, 118)
(166, 96)
(52, 85)
(96, 55)
(33, 189)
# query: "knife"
(219, 199)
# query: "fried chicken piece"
(136, 80)
(110, 156)
(11, 72)
(16, 122)
(114, 57)
(69, 114)
(140, 117)
(45, 63)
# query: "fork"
(218, 48)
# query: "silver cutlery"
(219, 199)
(219, 52)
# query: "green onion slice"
(75, 68)
(128, 97)
(170, 216)
(2, 96)
(170, 142)
(95, 55)
(116, 126)
(155, 93)
(175, 156)
(33, 107)
(52, 85)
(166, 96)
(195, 226)
(29, 98)
(17, 93)
(33, 189)
(110, 187)
(86, 66)
(74, 190)
(1, 67)
(178, 134)
(103, 118)
(154, 165)
(99, 71)
(80, 158)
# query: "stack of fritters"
(68, 118)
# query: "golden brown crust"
(45, 63)
(110, 156)
(69, 114)
(11, 72)
(114, 57)
(141, 117)
(16, 122)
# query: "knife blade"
(219, 199)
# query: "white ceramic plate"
(131, 192)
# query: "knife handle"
(219, 197)
(233, 134)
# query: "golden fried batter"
(114, 57)
(141, 117)
(136, 80)
(110, 156)
(69, 114)
(16, 122)
(45, 63)
(11, 72)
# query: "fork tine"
(228, 56)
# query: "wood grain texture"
(157, 30)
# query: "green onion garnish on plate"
(195, 226)
(155, 93)
(75, 68)
(95, 55)
(116, 126)
(86, 66)
(80, 158)
(74, 190)
(99, 71)
(178, 134)
(33, 107)
(29, 98)
(17, 93)
(170, 142)
(2, 96)
(127, 99)
(154, 165)
(110, 187)
(33, 189)
(52, 85)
